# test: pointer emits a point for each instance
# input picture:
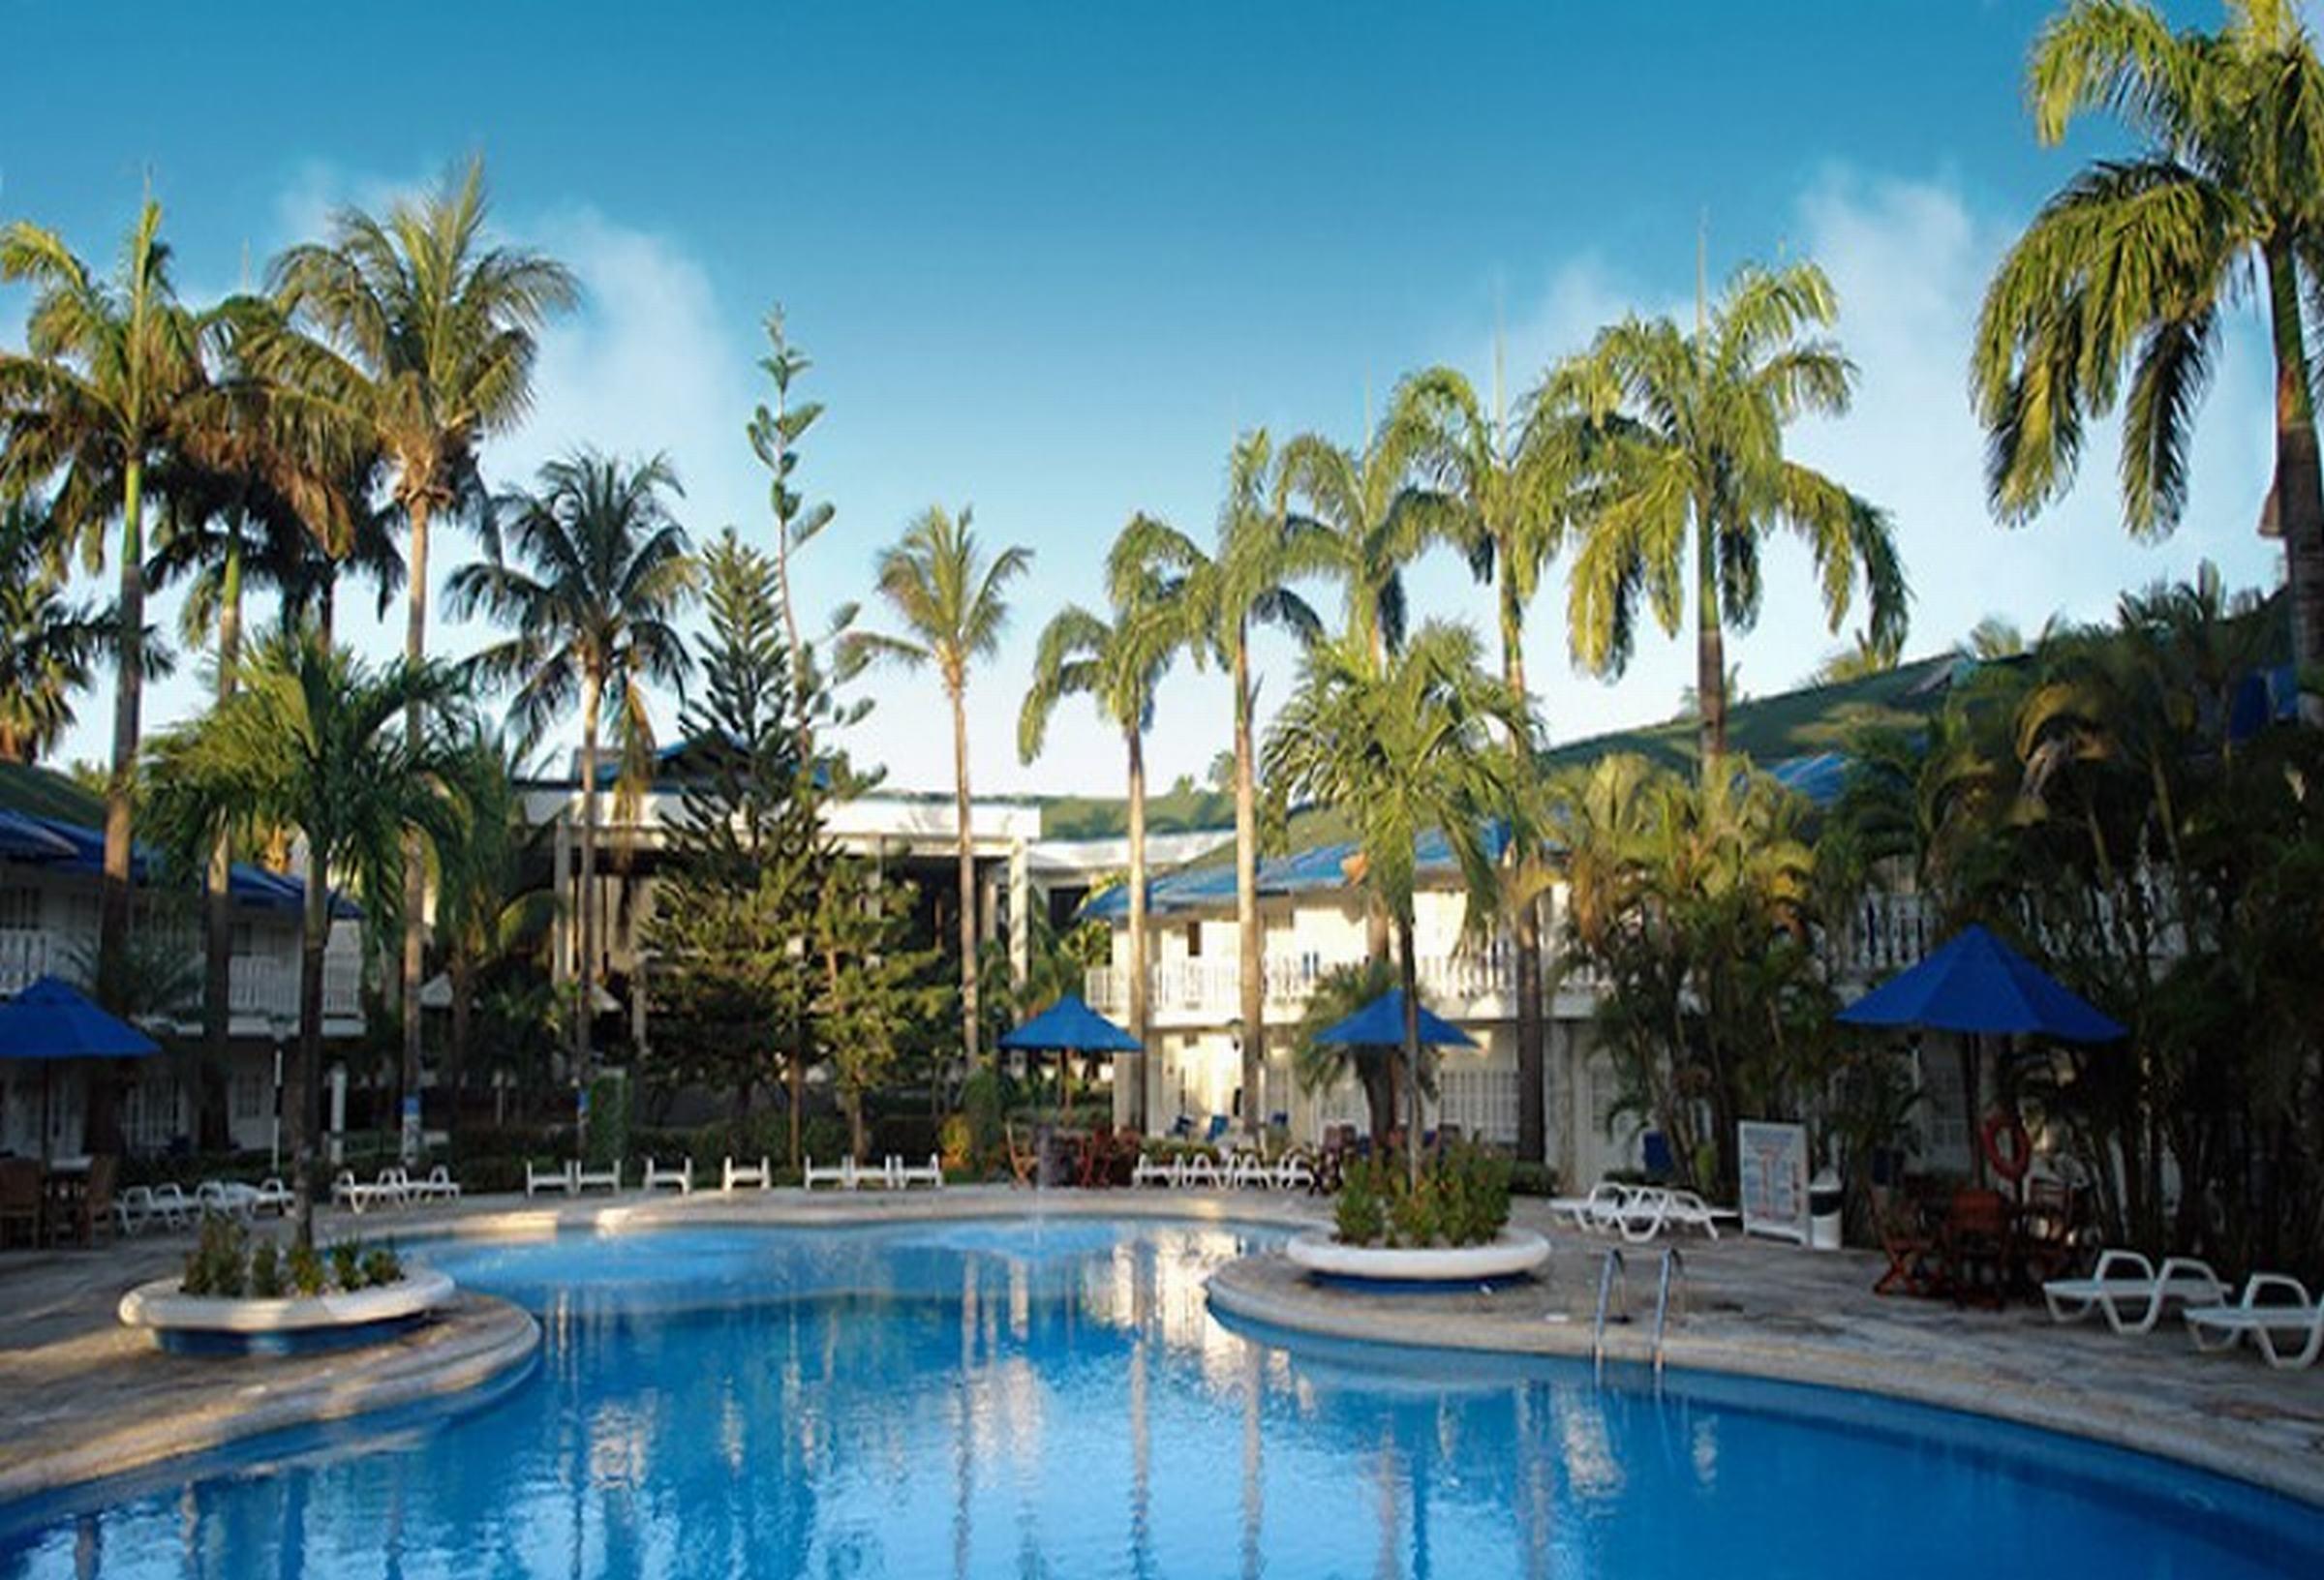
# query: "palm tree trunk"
(306, 1113)
(967, 874)
(1409, 970)
(1532, 1118)
(1253, 982)
(2299, 489)
(102, 1133)
(416, 877)
(585, 978)
(1135, 1065)
(1711, 644)
(218, 941)
(455, 1061)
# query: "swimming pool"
(982, 1398)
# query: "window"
(251, 1095)
(20, 908)
(1194, 940)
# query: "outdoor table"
(62, 1190)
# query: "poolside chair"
(133, 1210)
(273, 1195)
(1294, 1172)
(1599, 1212)
(536, 1181)
(439, 1186)
(2131, 1293)
(219, 1198)
(681, 1178)
(2259, 1319)
(1914, 1267)
(1025, 1168)
(1154, 1171)
(21, 1193)
(354, 1196)
(95, 1207)
(734, 1177)
(841, 1174)
(1197, 1171)
(605, 1179)
(170, 1205)
(1217, 1131)
(905, 1175)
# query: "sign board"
(1774, 1169)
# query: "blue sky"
(1050, 258)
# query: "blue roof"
(76, 848)
(1319, 868)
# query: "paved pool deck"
(81, 1397)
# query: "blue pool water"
(984, 1399)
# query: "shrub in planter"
(304, 1265)
(218, 1264)
(382, 1266)
(1361, 1209)
(266, 1272)
(1461, 1198)
(347, 1264)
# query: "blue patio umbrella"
(24, 840)
(52, 1019)
(1979, 987)
(1069, 1026)
(1381, 1024)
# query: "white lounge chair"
(1651, 1209)
(2131, 1293)
(133, 1208)
(906, 1175)
(1152, 1170)
(2299, 1319)
(1249, 1172)
(439, 1186)
(842, 1175)
(1195, 1173)
(601, 1179)
(1599, 1212)
(1294, 1172)
(168, 1203)
(273, 1195)
(680, 1178)
(537, 1180)
(350, 1192)
(735, 1176)
(226, 1198)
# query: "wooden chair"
(1913, 1265)
(1976, 1244)
(1024, 1166)
(20, 1194)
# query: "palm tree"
(2129, 268)
(1503, 491)
(48, 643)
(1116, 664)
(1403, 750)
(1687, 451)
(1224, 594)
(485, 911)
(1357, 526)
(309, 739)
(954, 605)
(413, 333)
(112, 374)
(605, 570)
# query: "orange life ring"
(2010, 1163)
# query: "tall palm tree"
(311, 738)
(113, 374)
(49, 645)
(1356, 525)
(954, 605)
(2130, 267)
(1402, 750)
(603, 569)
(486, 912)
(1503, 491)
(1241, 584)
(1686, 436)
(1117, 664)
(414, 333)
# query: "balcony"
(259, 989)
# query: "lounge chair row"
(738, 1174)
(1640, 1212)
(1241, 1171)
(393, 1188)
(167, 1205)
(2274, 1312)
(891, 1174)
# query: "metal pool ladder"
(1675, 1272)
(1612, 1278)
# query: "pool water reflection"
(1009, 1399)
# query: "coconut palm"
(1117, 664)
(1354, 524)
(486, 912)
(954, 605)
(312, 738)
(49, 645)
(1503, 492)
(112, 374)
(1225, 594)
(602, 571)
(2131, 268)
(414, 334)
(1404, 750)
(1686, 436)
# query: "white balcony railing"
(258, 987)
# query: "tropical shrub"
(1457, 1198)
(266, 1272)
(218, 1264)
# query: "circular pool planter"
(210, 1324)
(1513, 1254)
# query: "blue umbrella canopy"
(1070, 1026)
(53, 1019)
(1381, 1024)
(1978, 985)
(24, 840)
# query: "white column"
(1019, 910)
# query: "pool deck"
(81, 1397)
